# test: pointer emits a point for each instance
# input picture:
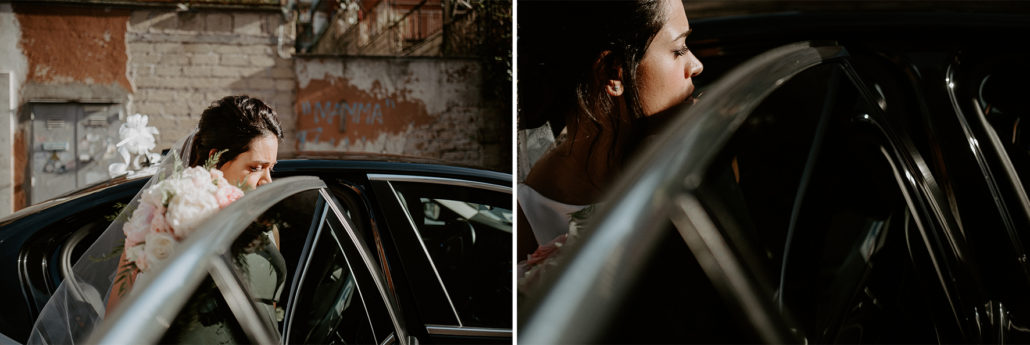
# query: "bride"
(241, 136)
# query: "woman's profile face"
(253, 167)
(665, 72)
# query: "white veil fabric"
(80, 301)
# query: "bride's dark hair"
(230, 124)
(569, 50)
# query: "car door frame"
(407, 239)
(665, 188)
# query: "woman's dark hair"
(569, 50)
(230, 124)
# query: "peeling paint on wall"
(73, 44)
(414, 107)
(347, 118)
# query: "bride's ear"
(211, 153)
(610, 73)
(614, 87)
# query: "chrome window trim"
(389, 339)
(429, 258)
(145, 315)
(440, 180)
(357, 285)
(298, 279)
(391, 306)
(986, 168)
(468, 331)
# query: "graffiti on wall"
(334, 115)
(323, 112)
(429, 108)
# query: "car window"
(674, 302)
(467, 234)
(807, 183)
(205, 319)
(336, 301)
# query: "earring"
(615, 88)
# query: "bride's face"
(253, 167)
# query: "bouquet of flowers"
(170, 210)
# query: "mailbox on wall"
(72, 146)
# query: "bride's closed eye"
(681, 51)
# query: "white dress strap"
(548, 218)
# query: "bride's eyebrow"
(684, 34)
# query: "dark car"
(427, 245)
(866, 185)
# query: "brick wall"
(180, 62)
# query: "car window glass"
(674, 302)
(329, 306)
(467, 233)
(807, 178)
(337, 301)
(205, 319)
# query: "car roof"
(304, 164)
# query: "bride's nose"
(266, 177)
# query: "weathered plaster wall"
(12, 73)
(180, 62)
(415, 107)
(6, 134)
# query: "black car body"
(450, 274)
(865, 185)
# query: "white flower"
(155, 195)
(136, 136)
(200, 178)
(188, 208)
(138, 255)
(159, 247)
(139, 224)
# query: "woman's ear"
(614, 87)
(607, 69)
(211, 153)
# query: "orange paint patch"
(323, 104)
(74, 44)
(21, 163)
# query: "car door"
(782, 208)
(453, 238)
(215, 278)
(323, 288)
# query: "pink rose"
(226, 194)
(158, 223)
(189, 208)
